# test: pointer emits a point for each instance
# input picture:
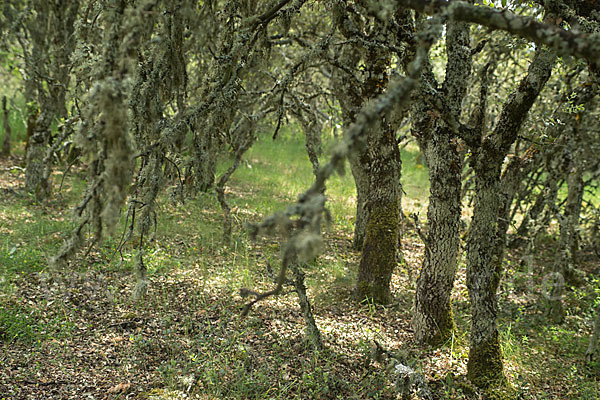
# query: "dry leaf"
(120, 388)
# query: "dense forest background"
(346, 199)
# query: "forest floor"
(77, 334)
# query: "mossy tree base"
(505, 392)
(485, 368)
(379, 254)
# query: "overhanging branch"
(566, 43)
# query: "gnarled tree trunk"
(381, 240)
(485, 365)
(432, 319)
(484, 264)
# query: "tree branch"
(572, 43)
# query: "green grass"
(283, 171)
(31, 322)
(31, 237)
(18, 323)
(188, 330)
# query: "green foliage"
(28, 324)
(505, 3)
(164, 87)
(18, 323)
(201, 337)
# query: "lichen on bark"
(484, 266)
(433, 318)
(379, 253)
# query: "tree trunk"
(36, 152)
(432, 319)
(382, 229)
(485, 366)
(376, 166)
(358, 165)
(484, 264)
(7, 132)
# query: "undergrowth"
(68, 332)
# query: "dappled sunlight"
(293, 199)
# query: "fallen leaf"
(120, 388)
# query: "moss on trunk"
(485, 364)
(379, 253)
(433, 320)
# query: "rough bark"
(7, 131)
(381, 240)
(432, 319)
(380, 245)
(36, 152)
(483, 276)
(484, 269)
(354, 90)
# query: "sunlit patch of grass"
(28, 237)
(188, 332)
(277, 171)
(28, 324)
(415, 179)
